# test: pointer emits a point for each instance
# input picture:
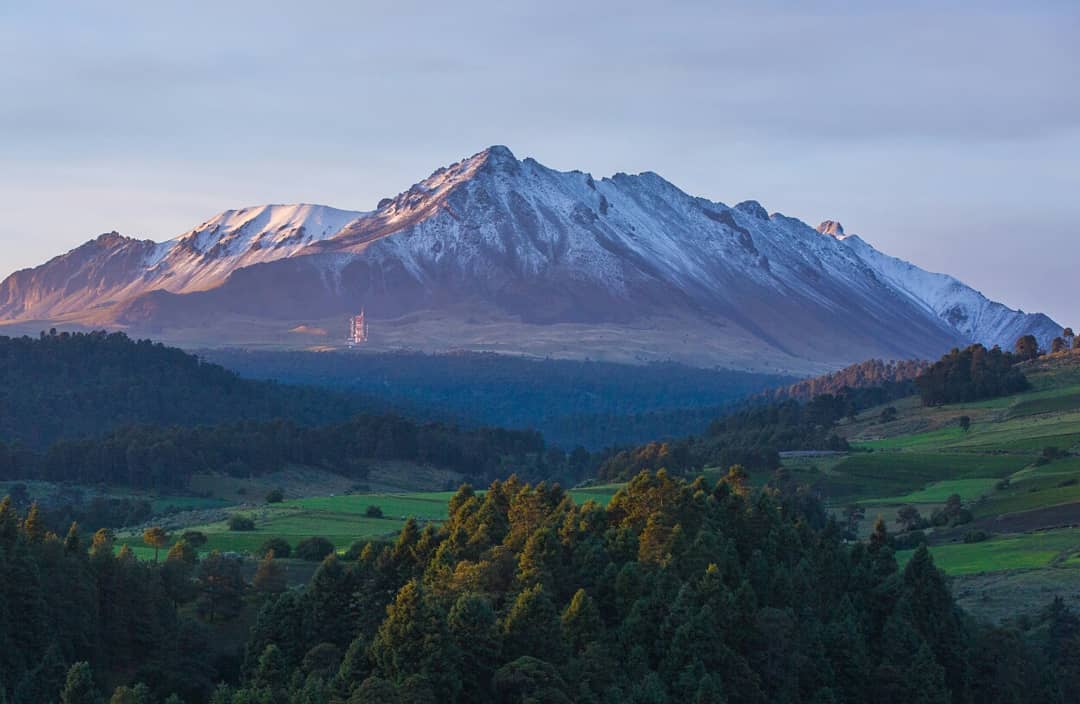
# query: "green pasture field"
(1049, 401)
(426, 505)
(1007, 552)
(930, 439)
(937, 492)
(1027, 496)
(874, 475)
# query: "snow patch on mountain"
(970, 312)
(203, 257)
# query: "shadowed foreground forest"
(675, 592)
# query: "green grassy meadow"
(1007, 552)
(1026, 506)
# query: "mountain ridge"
(493, 252)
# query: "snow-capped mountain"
(505, 254)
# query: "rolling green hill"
(1016, 470)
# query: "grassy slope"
(924, 456)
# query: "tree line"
(889, 379)
(72, 385)
(752, 437)
(973, 373)
(163, 458)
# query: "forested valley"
(588, 403)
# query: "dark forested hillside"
(971, 374)
(164, 458)
(675, 592)
(593, 404)
(68, 600)
(73, 385)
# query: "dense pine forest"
(164, 458)
(70, 385)
(675, 592)
(973, 373)
(101, 408)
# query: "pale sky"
(947, 137)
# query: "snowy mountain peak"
(493, 252)
(753, 209)
(276, 224)
(832, 228)
(498, 152)
(110, 239)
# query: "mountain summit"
(497, 253)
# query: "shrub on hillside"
(909, 540)
(374, 511)
(314, 549)
(241, 523)
(276, 496)
(194, 538)
(278, 546)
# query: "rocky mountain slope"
(508, 255)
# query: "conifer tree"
(79, 687)
(9, 524)
(271, 674)
(1027, 347)
(157, 538)
(330, 599)
(927, 679)
(414, 640)
(177, 572)
(355, 667)
(139, 694)
(474, 631)
(269, 576)
(581, 623)
(281, 621)
(221, 586)
(934, 614)
(540, 559)
(737, 480)
(532, 627)
(72, 543)
(528, 679)
(34, 524)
